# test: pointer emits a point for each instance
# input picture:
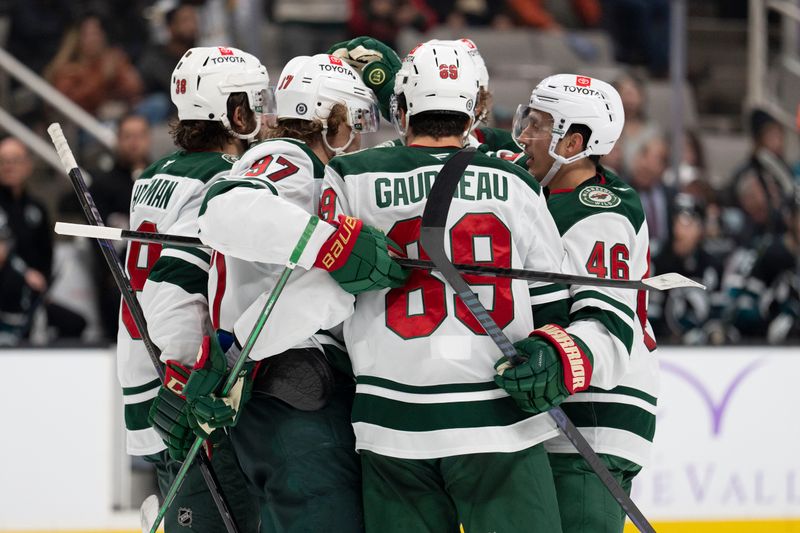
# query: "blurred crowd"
(115, 59)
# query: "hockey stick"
(432, 238)
(124, 286)
(233, 376)
(663, 282)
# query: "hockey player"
(569, 123)
(220, 94)
(440, 445)
(293, 436)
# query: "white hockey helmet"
(206, 76)
(310, 86)
(435, 77)
(471, 49)
(572, 99)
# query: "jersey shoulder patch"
(609, 197)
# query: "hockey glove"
(207, 411)
(377, 64)
(169, 412)
(557, 366)
(357, 256)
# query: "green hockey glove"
(557, 366)
(357, 256)
(377, 64)
(207, 411)
(169, 412)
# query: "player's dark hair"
(585, 132)
(208, 135)
(436, 124)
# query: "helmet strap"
(560, 160)
(340, 149)
(244, 136)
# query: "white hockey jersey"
(253, 219)
(173, 282)
(604, 231)
(423, 365)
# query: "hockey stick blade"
(148, 512)
(432, 233)
(663, 282)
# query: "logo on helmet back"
(335, 60)
(225, 51)
(583, 81)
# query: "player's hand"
(207, 410)
(556, 367)
(358, 257)
(169, 412)
(376, 62)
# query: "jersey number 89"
(419, 307)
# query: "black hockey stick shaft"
(129, 296)
(480, 270)
(432, 238)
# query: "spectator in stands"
(640, 31)
(693, 164)
(111, 190)
(25, 215)
(16, 296)
(765, 288)
(637, 126)
(29, 227)
(647, 163)
(764, 184)
(384, 19)
(158, 61)
(309, 26)
(461, 13)
(90, 72)
(688, 316)
(556, 16)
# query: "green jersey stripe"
(187, 276)
(546, 289)
(426, 389)
(402, 416)
(613, 415)
(223, 186)
(627, 391)
(197, 252)
(605, 298)
(129, 391)
(136, 415)
(619, 329)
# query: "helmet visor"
(366, 118)
(530, 125)
(264, 105)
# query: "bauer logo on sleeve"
(583, 81)
(594, 196)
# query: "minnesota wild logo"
(594, 196)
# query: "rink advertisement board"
(727, 437)
(727, 447)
